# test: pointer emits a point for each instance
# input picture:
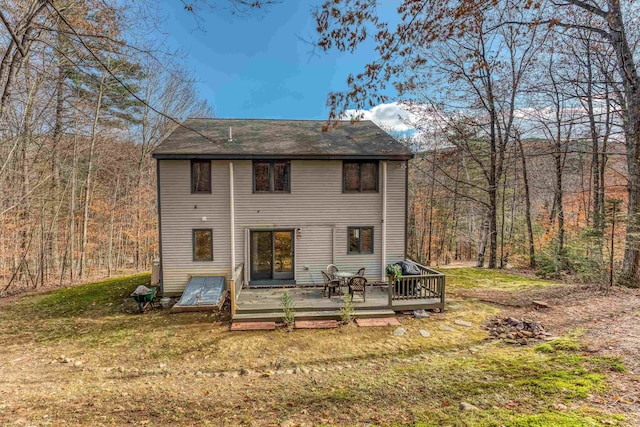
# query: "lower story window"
(203, 244)
(360, 240)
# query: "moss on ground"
(482, 278)
(498, 418)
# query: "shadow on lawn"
(96, 313)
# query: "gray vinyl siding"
(316, 206)
(307, 207)
(396, 214)
(182, 212)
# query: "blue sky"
(259, 66)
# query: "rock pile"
(516, 331)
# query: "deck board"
(311, 299)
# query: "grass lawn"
(82, 356)
(467, 278)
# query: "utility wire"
(117, 79)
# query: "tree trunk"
(111, 217)
(483, 242)
(87, 194)
(558, 202)
(597, 209)
(502, 224)
(527, 205)
(631, 118)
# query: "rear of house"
(268, 203)
(253, 206)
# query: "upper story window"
(200, 176)
(271, 176)
(359, 176)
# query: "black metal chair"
(329, 284)
(358, 285)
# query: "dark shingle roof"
(294, 139)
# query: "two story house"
(268, 203)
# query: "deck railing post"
(390, 291)
(236, 279)
(232, 296)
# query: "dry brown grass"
(162, 368)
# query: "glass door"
(261, 255)
(272, 255)
(283, 255)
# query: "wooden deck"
(309, 303)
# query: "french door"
(272, 255)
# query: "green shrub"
(288, 311)
(347, 310)
(578, 260)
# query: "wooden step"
(270, 309)
(310, 315)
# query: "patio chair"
(358, 285)
(329, 284)
(360, 272)
(331, 271)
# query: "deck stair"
(309, 315)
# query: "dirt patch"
(607, 322)
(76, 356)
(17, 290)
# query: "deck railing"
(429, 284)
(236, 286)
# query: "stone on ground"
(446, 328)
(464, 406)
(424, 333)
(455, 307)
(463, 323)
(541, 304)
(399, 332)
(420, 314)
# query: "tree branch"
(13, 34)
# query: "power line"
(117, 79)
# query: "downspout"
(406, 209)
(384, 220)
(232, 211)
(247, 248)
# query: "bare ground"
(608, 322)
(161, 369)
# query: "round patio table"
(344, 276)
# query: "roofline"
(160, 156)
(271, 119)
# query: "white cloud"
(424, 127)
(391, 117)
(416, 122)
